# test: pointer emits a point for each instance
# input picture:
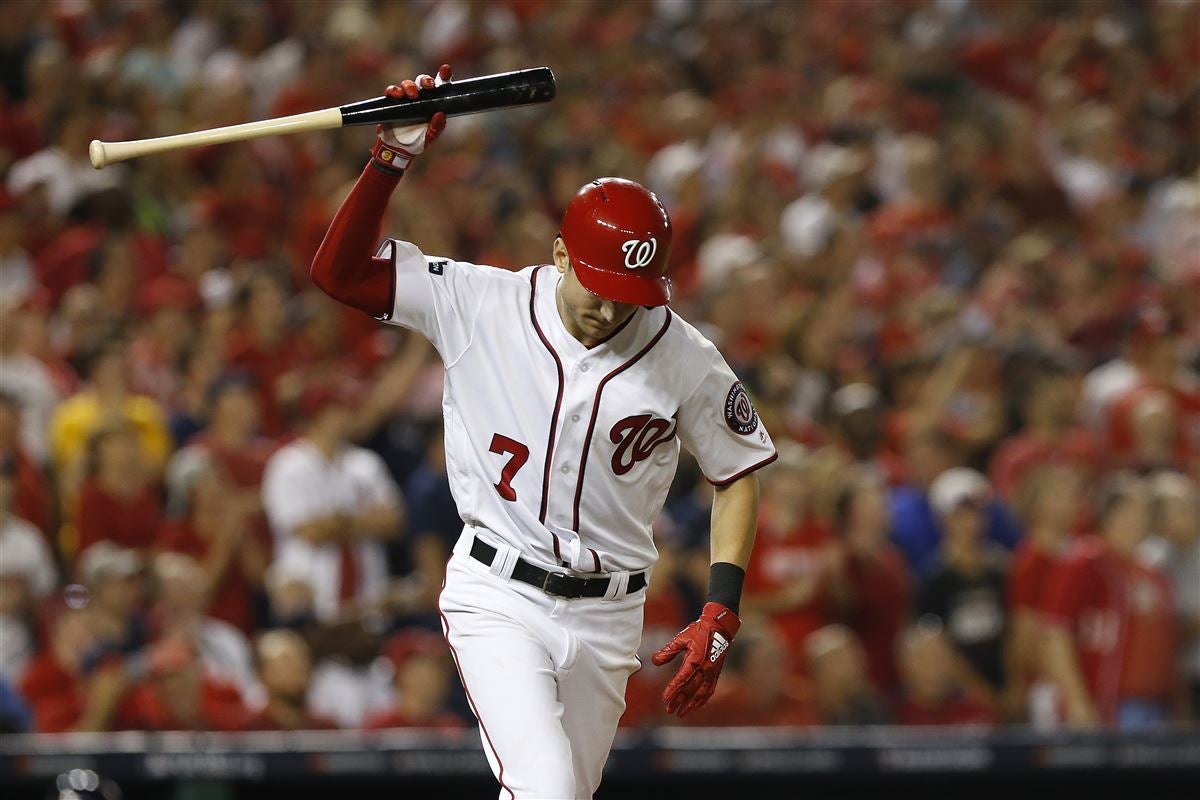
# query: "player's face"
(590, 318)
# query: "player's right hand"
(395, 148)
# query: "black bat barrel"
(471, 96)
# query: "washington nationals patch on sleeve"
(740, 415)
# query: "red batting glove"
(704, 644)
(395, 148)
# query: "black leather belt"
(555, 583)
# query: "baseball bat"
(457, 98)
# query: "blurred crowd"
(952, 247)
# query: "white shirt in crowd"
(23, 556)
(301, 485)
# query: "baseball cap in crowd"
(854, 397)
(21, 557)
(957, 486)
(105, 561)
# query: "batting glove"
(703, 644)
(395, 148)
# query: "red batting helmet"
(618, 236)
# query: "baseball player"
(569, 390)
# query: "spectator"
(67, 691)
(31, 500)
(871, 590)
(934, 693)
(841, 687)
(285, 669)
(916, 528)
(260, 345)
(117, 502)
(789, 577)
(179, 613)
(106, 396)
(332, 506)
(1175, 549)
(217, 528)
(26, 383)
(1050, 500)
(1107, 615)
(434, 524)
(349, 683)
(63, 168)
(27, 576)
(115, 582)
(859, 416)
(759, 691)
(965, 593)
(15, 716)
(177, 695)
(232, 436)
(423, 681)
(1050, 432)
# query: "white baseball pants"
(545, 676)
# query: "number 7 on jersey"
(520, 454)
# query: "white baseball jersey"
(562, 452)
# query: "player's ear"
(561, 259)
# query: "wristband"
(389, 159)
(725, 584)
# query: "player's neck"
(570, 324)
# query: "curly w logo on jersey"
(636, 437)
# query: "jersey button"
(564, 469)
(583, 367)
(574, 418)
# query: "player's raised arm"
(345, 267)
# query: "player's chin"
(598, 329)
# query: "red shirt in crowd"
(1184, 406)
(127, 521)
(267, 365)
(880, 610)
(145, 709)
(1121, 616)
(1032, 566)
(779, 560)
(55, 696)
(232, 600)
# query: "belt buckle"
(555, 584)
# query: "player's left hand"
(704, 644)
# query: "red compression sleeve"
(345, 267)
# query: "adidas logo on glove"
(717, 646)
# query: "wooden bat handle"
(104, 153)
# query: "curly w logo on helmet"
(639, 252)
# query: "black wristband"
(725, 584)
